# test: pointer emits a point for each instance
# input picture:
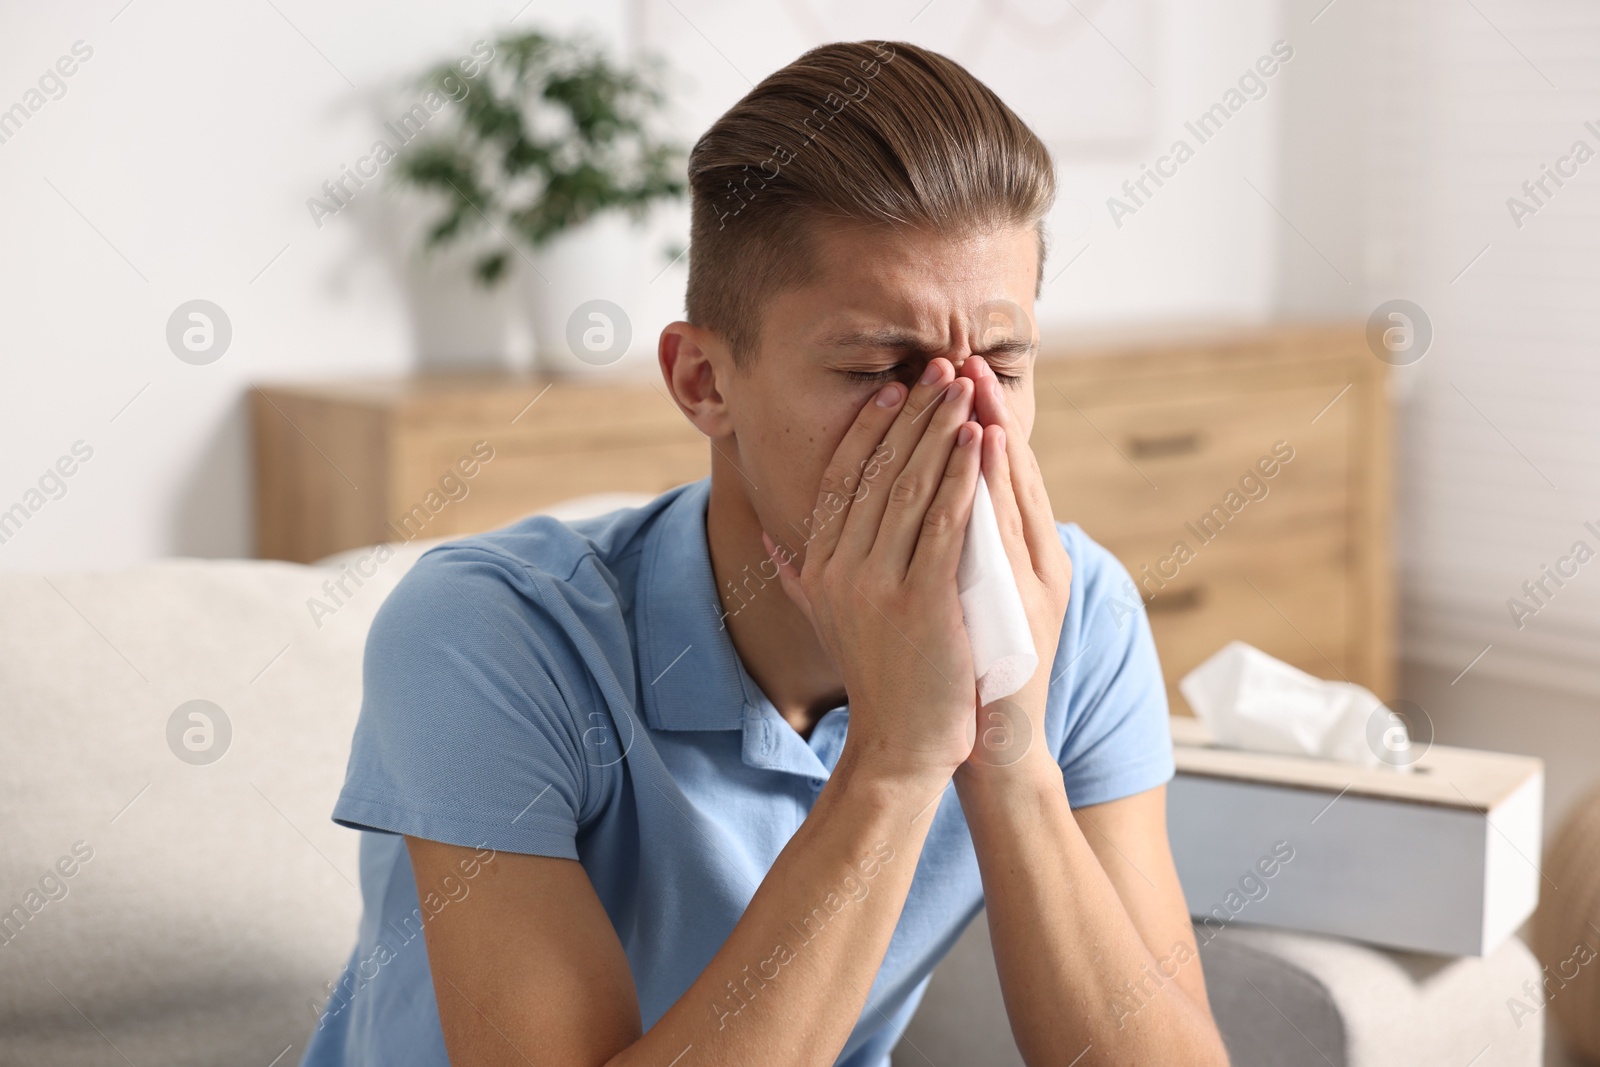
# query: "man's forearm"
(1064, 943)
(791, 980)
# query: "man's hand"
(878, 581)
(1044, 578)
(1058, 880)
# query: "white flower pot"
(586, 299)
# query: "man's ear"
(694, 363)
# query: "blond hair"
(880, 133)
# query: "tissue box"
(1443, 860)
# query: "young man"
(706, 782)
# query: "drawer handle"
(1177, 444)
(1174, 602)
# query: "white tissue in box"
(1247, 699)
(1003, 656)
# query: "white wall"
(178, 162)
(1421, 121)
(1410, 128)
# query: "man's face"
(886, 305)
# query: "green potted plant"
(545, 167)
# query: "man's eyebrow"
(886, 337)
(1010, 345)
(905, 341)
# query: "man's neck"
(774, 640)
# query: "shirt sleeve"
(467, 733)
(1117, 740)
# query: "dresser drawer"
(1164, 467)
(1301, 615)
(1286, 589)
(1160, 563)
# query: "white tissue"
(1003, 656)
(1249, 700)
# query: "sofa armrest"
(1289, 998)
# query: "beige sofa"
(211, 900)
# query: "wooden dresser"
(1142, 443)
(1241, 475)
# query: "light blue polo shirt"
(569, 689)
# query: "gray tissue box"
(1444, 859)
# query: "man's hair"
(876, 133)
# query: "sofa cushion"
(209, 886)
(210, 897)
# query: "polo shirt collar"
(689, 671)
